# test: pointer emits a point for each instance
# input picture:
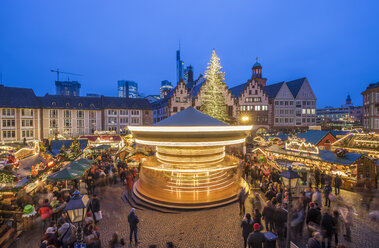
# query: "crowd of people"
(270, 202)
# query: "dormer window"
(80, 105)
(92, 105)
(53, 104)
(67, 104)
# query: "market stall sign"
(295, 144)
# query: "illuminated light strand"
(189, 129)
(191, 178)
(300, 144)
(190, 144)
(190, 170)
(199, 191)
(209, 184)
(191, 164)
(199, 187)
(167, 159)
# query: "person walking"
(327, 191)
(315, 241)
(46, 212)
(247, 227)
(133, 221)
(317, 197)
(241, 199)
(337, 184)
(327, 223)
(95, 208)
(336, 225)
(348, 220)
(256, 238)
(268, 216)
(317, 177)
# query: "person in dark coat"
(133, 221)
(241, 199)
(327, 224)
(317, 177)
(280, 218)
(314, 214)
(337, 184)
(256, 238)
(270, 194)
(247, 227)
(268, 216)
(327, 191)
(95, 207)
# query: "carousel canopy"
(66, 174)
(190, 117)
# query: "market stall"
(355, 169)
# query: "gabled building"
(20, 114)
(252, 101)
(175, 101)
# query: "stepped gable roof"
(312, 136)
(295, 86)
(237, 90)
(272, 89)
(69, 102)
(18, 97)
(190, 117)
(197, 86)
(125, 103)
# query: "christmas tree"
(212, 94)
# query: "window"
(230, 110)
(276, 120)
(123, 112)
(67, 114)
(53, 104)
(257, 108)
(243, 108)
(276, 102)
(181, 108)
(67, 123)
(27, 112)
(112, 128)
(92, 123)
(298, 104)
(124, 120)
(9, 123)
(181, 91)
(80, 105)
(135, 112)
(9, 134)
(257, 99)
(27, 123)
(309, 111)
(304, 111)
(27, 134)
(135, 120)
(256, 92)
(53, 123)
(376, 123)
(112, 112)
(8, 112)
(79, 123)
(248, 99)
(112, 120)
(177, 99)
(250, 93)
(264, 107)
(298, 122)
(67, 104)
(313, 111)
(92, 114)
(53, 113)
(92, 105)
(291, 103)
(175, 109)
(80, 114)
(185, 99)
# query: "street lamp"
(76, 210)
(245, 118)
(290, 179)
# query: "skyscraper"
(127, 89)
(166, 87)
(67, 88)
(188, 75)
(179, 66)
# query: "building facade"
(166, 87)
(67, 88)
(25, 117)
(371, 108)
(127, 89)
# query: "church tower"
(257, 74)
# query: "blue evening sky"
(334, 43)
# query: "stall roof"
(313, 136)
(57, 144)
(27, 163)
(327, 156)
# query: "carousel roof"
(190, 117)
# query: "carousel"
(190, 168)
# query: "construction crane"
(68, 73)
